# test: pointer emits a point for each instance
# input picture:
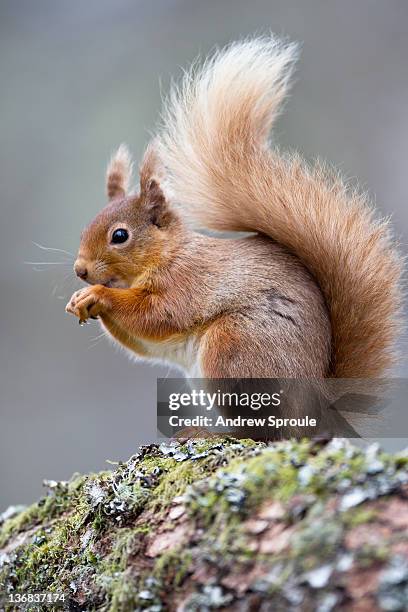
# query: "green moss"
(123, 594)
(358, 516)
(242, 486)
(316, 542)
(178, 475)
(111, 576)
(45, 510)
(221, 502)
(75, 515)
(369, 555)
(176, 564)
(88, 537)
(176, 478)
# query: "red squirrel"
(313, 292)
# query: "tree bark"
(217, 524)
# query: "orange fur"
(314, 294)
(213, 144)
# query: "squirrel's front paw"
(87, 303)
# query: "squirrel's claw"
(85, 304)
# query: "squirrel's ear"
(151, 187)
(119, 173)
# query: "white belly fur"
(180, 352)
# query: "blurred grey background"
(77, 78)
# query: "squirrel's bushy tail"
(221, 170)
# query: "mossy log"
(218, 524)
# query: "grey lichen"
(219, 524)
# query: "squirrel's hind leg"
(248, 345)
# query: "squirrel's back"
(224, 175)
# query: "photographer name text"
(239, 421)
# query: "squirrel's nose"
(81, 271)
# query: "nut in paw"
(87, 303)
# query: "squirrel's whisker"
(44, 248)
(47, 263)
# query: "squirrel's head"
(133, 234)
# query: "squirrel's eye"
(119, 236)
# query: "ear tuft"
(152, 179)
(151, 168)
(119, 173)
